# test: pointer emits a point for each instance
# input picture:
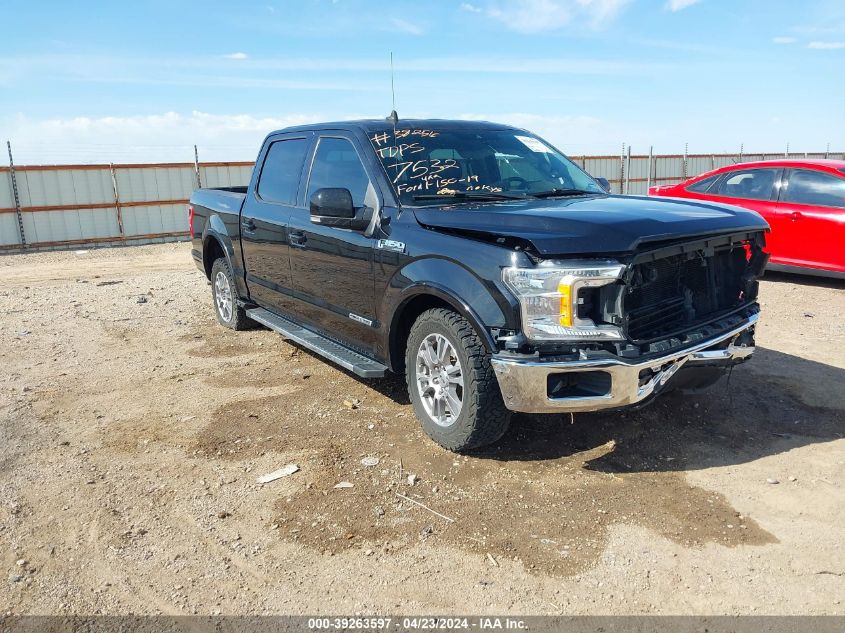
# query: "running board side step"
(335, 352)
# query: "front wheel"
(451, 383)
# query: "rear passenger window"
(755, 184)
(279, 180)
(703, 185)
(336, 164)
(815, 188)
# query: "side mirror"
(604, 183)
(332, 203)
(334, 207)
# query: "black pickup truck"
(483, 264)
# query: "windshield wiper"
(553, 193)
(470, 195)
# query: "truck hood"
(599, 224)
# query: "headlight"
(548, 297)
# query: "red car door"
(810, 220)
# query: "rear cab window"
(280, 174)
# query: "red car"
(802, 200)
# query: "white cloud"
(534, 16)
(466, 6)
(829, 46)
(832, 25)
(302, 74)
(237, 56)
(679, 5)
(170, 136)
(469, 64)
(210, 71)
(784, 40)
(150, 138)
(411, 28)
(602, 9)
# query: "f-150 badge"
(391, 245)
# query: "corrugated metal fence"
(58, 206)
(61, 206)
(633, 174)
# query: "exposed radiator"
(670, 295)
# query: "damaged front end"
(674, 306)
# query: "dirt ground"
(133, 427)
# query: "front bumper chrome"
(524, 383)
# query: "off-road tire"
(238, 320)
(483, 418)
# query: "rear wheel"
(229, 313)
(451, 383)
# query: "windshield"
(428, 166)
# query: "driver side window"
(336, 164)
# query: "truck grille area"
(672, 294)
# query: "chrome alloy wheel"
(223, 296)
(440, 380)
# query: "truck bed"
(222, 199)
(225, 203)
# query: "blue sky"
(120, 81)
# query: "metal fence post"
(15, 193)
(686, 170)
(786, 153)
(117, 201)
(197, 167)
(648, 170)
(628, 172)
(741, 148)
(827, 151)
(622, 169)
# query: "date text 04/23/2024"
(417, 623)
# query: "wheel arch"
(212, 250)
(418, 299)
(216, 243)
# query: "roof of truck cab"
(369, 125)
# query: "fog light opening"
(578, 384)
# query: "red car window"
(755, 184)
(814, 188)
(703, 185)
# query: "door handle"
(248, 224)
(796, 215)
(297, 238)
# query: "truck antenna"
(393, 116)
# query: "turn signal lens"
(566, 308)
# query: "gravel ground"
(133, 427)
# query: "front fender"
(481, 302)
